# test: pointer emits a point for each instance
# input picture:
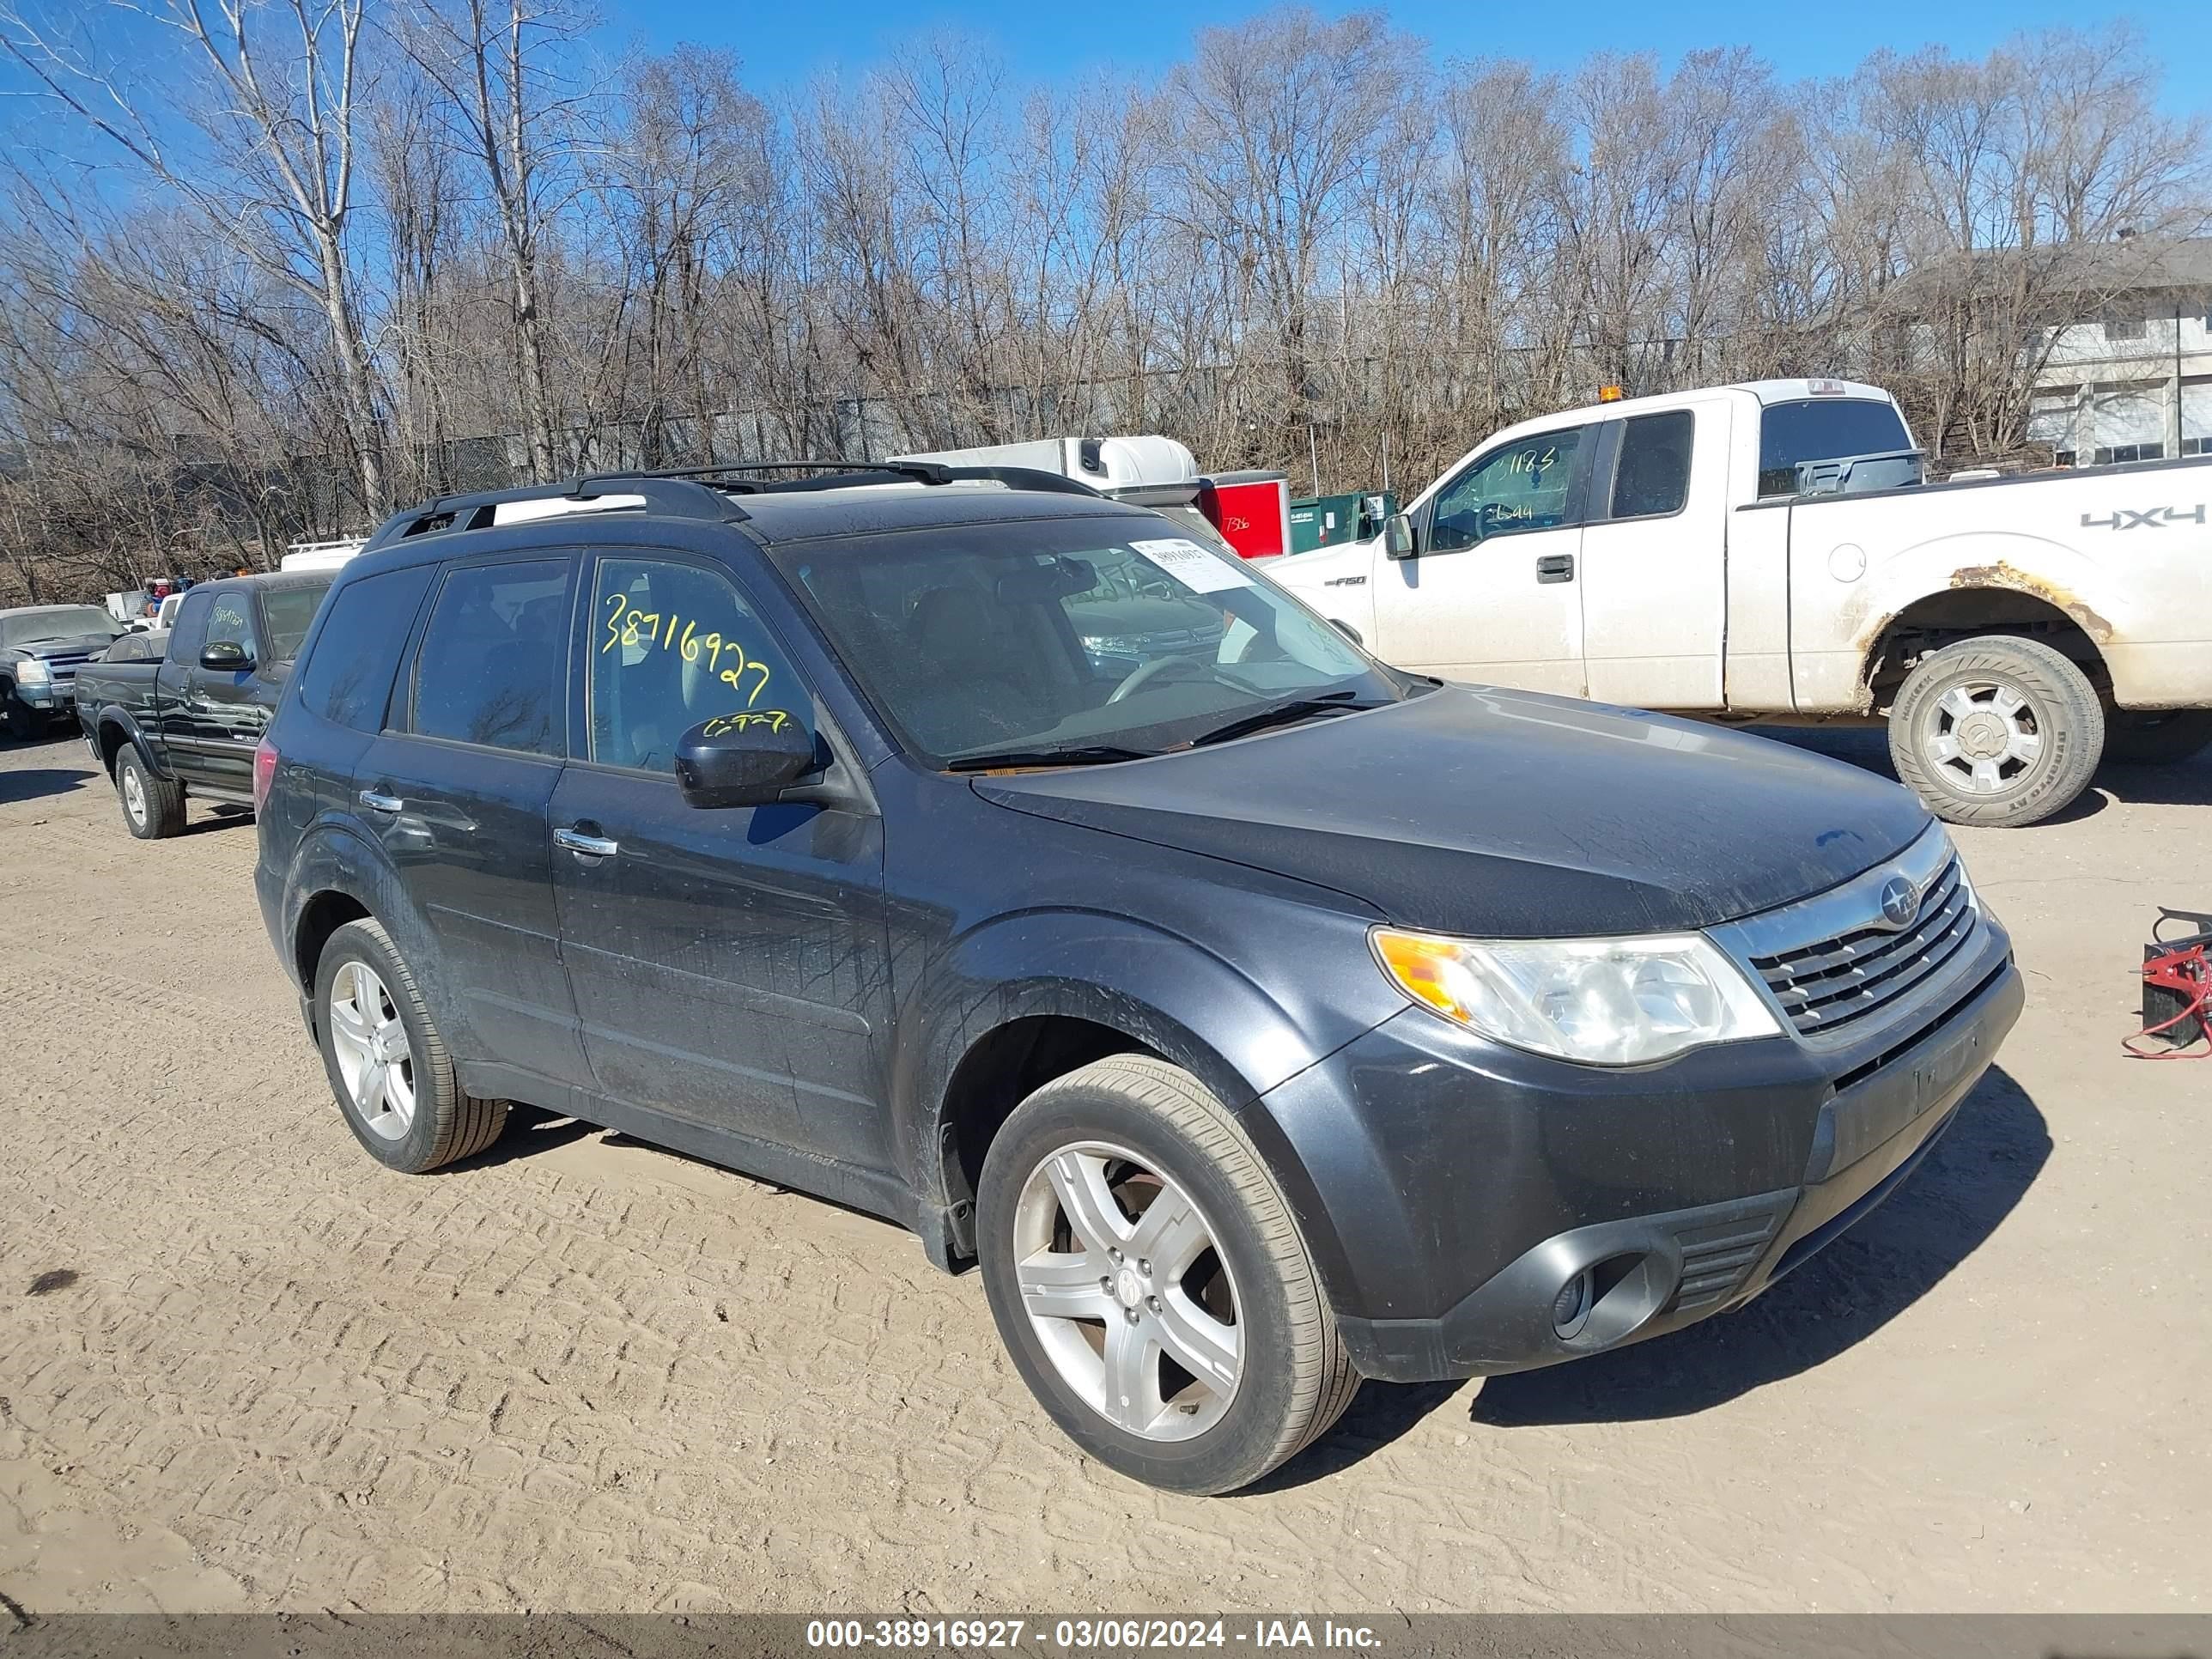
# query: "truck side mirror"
(226, 657)
(1399, 541)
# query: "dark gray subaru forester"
(978, 852)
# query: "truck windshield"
(1081, 639)
(1822, 429)
(288, 609)
(60, 622)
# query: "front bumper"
(1469, 1187)
(52, 697)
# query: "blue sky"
(1059, 41)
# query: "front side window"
(1652, 477)
(1822, 429)
(1523, 485)
(1096, 639)
(672, 645)
(492, 665)
(230, 622)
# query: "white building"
(2131, 379)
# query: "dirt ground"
(242, 1367)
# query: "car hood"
(1504, 814)
(71, 644)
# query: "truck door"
(167, 720)
(1490, 594)
(1654, 559)
(220, 707)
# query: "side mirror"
(746, 759)
(1399, 541)
(226, 657)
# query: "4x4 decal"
(2127, 519)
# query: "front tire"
(1149, 1281)
(25, 723)
(1997, 731)
(152, 806)
(2155, 737)
(395, 1084)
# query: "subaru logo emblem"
(1900, 902)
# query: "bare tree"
(274, 176)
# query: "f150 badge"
(2128, 520)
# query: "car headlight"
(1601, 1001)
(32, 671)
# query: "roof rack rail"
(677, 497)
(845, 474)
(701, 492)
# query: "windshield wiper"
(1282, 713)
(1097, 754)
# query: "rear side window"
(191, 628)
(348, 678)
(1822, 429)
(1652, 477)
(492, 669)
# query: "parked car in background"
(1258, 1019)
(177, 715)
(41, 648)
(1767, 550)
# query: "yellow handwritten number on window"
(644, 630)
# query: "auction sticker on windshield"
(1191, 565)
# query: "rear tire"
(2155, 737)
(395, 1084)
(1997, 731)
(1100, 1331)
(153, 806)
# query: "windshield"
(288, 609)
(61, 621)
(1034, 638)
(1822, 429)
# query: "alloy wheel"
(1984, 736)
(373, 1054)
(1127, 1291)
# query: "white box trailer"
(1112, 466)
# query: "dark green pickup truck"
(186, 722)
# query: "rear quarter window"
(347, 673)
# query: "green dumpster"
(1329, 520)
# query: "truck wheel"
(25, 724)
(1997, 731)
(1150, 1284)
(387, 1065)
(153, 806)
(2155, 737)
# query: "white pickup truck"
(1767, 552)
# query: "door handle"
(594, 847)
(1556, 568)
(377, 803)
